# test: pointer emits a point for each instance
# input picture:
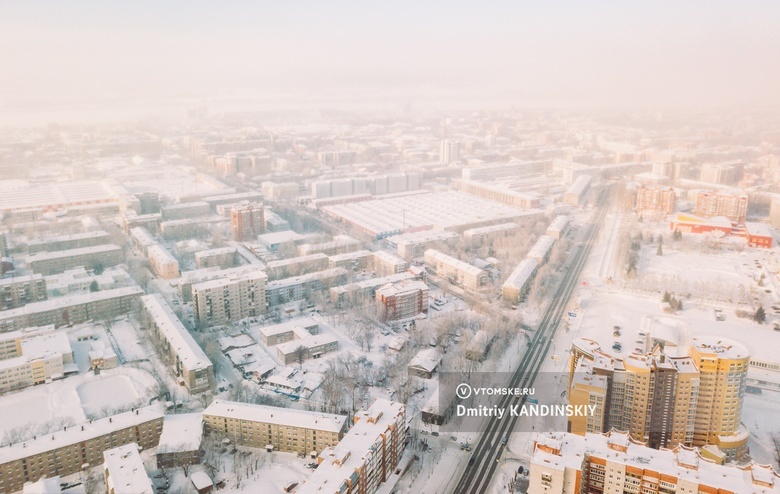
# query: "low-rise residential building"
(163, 263)
(412, 245)
(285, 268)
(20, 291)
(519, 281)
(66, 242)
(32, 358)
(478, 236)
(190, 278)
(124, 472)
(385, 264)
(276, 239)
(402, 300)
(576, 193)
(180, 441)
(55, 262)
(301, 287)
(280, 429)
(141, 238)
(222, 258)
(341, 244)
(457, 271)
(295, 329)
(72, 309)
(185, 210)
(233, 298)
(66, 451)
(425, 363)
(351, 261)
(541, 249)
(190, 364)
(564, 463)
(355, 293)
(367, 455)
(558, 227)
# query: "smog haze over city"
(389, 248)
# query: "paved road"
(489, 449)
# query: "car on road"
(504, 440)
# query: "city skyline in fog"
(441, 54)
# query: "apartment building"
(228, 299)
(163, 263)
(367, 455)
(141, 239)
(576, 193)
(541, 250)
(285, 268)
(733, 206)
(66, 451)
(341, 244)
(20, 291)
(72, 309)
(356, 293)
(401, 300)
(351, 261)
(457, 271)
(300, 287)
(189, 363)
(615, 463)
(247, 221)
(519, 281)
(280, 191)
(48, 263)
(664, 400)
(511, 169)
(185, 210)
(222, 258)
(66, 242)
(558, 227)
(412, 245)
(477, 236)
(190, 278)
(295, 329)
(654, 200)
(33, 357)
(284, 429)
(124, 472)
(385, 264)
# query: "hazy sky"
(527, 53)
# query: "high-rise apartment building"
(246, 221)
(449, 151)
(657, 200)
(235, 297)
(663, 400)
(732, 206)
(615, 463)
(367, 455)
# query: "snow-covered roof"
(356, 447)
(235, 341)
(126, 472)
(722, 347)
(427, 359)
(541, 248)
(181, 432)
(310, 341)
(275, 415)
(79, 433)
(69, 301)
(757, 229)
(681, 463)
(559, 223)
(519, 277)
(95, 249)
(187, 349)
(453, 262)
(201, 480)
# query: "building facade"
(233, 298)
(188, 361)
(246, 221)
(284, 429)
(65, 452)
(402, 300)
(18, 292)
